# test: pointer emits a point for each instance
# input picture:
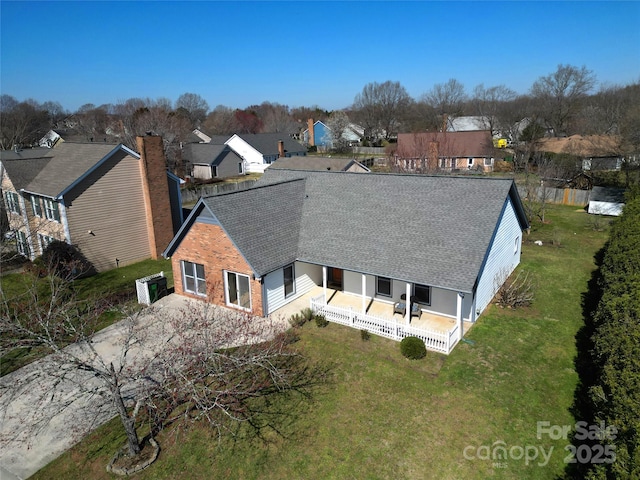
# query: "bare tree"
(338, 123)
(379, 107)
(21, 123)
(195, 106)
(221, 121)
(447, 98)
(199, 362)
(559, 94)
(276, 118)
(489, 104)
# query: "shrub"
(307, 313)
(321, 321)
(297, 320)
(365, 335)
(516, 291)
(413, 348)
(290, 336)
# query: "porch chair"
(401, 306)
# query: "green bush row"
(615, 395)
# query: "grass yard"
(385, 417)
(118, 284)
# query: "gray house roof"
(604, 194)
(62, 167)
(427, 230)
(208, 154)
(267, 143)
(334, 164)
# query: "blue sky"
(302, 53)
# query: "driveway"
(28, 440)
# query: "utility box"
(151, 288)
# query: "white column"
(364, 294)
(324, 282)
(459, 314)
(407, 303)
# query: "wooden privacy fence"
(193, 193)
(438, 341)
(563, 196)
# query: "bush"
(290, 336)
(365, 335)
(413, 348)
(297, 320)
(321, 321)
(516, 291)
(307, 313)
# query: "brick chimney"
(432, 155)
(312, 139)
(280, 149)
(155, 188)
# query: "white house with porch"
(397, 255)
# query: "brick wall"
(153, 170)
(210, 246)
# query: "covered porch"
(440, 332)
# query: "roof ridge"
(255, 188)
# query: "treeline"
(615, 395)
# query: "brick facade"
(153, 170)
(208, 245)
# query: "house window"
(422, 294)
(488, 162)
(214, 171)
(289, 280)
(237, 291)
(383, 286)
(22, 244)
(516, 245)
(13, 203)
(470, 162)
(51, 210)
(193, 277)
(240, 169)
(36, 208)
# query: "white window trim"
(22, 244)
(51, 210)
(13, 202)
(293, 280)
(226, 290)
(378, 293)
(196, 280)
(36, 206)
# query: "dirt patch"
(123, 464)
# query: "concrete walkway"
(77, 408)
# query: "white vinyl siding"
(307, 276)
(502, 259)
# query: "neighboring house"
(445, 242)
(606, 201)
(334, 164)
(212, 161)
(199, 136)
(468, 124)
(322, 135)
(259, 150)
(446, 151)
(117, 206)
(596, 152)
(50, 139)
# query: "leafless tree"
(195, 106)
(489, 103)
(21, 123)
(379, 107)
(276, 118)
(199, 362)
(338, 122)
(560, 93)
(447, 98)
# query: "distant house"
(595, 152)
(259, 150)
(467, 124)
(445, 151)
(427, 253)
(606, 201)
(334, 164)
(212, 161)
(322, 136)
(116, 205)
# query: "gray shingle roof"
(427, 230)
(264, 223)
(61, 167)
(208, 154)
(267, 143)
(604, 194)
(335, 164)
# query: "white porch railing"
(435, 340)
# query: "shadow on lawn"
(582, 408)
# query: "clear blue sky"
(302, 53)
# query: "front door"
(335, 278)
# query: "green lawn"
(385, 417)
(118, 284)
